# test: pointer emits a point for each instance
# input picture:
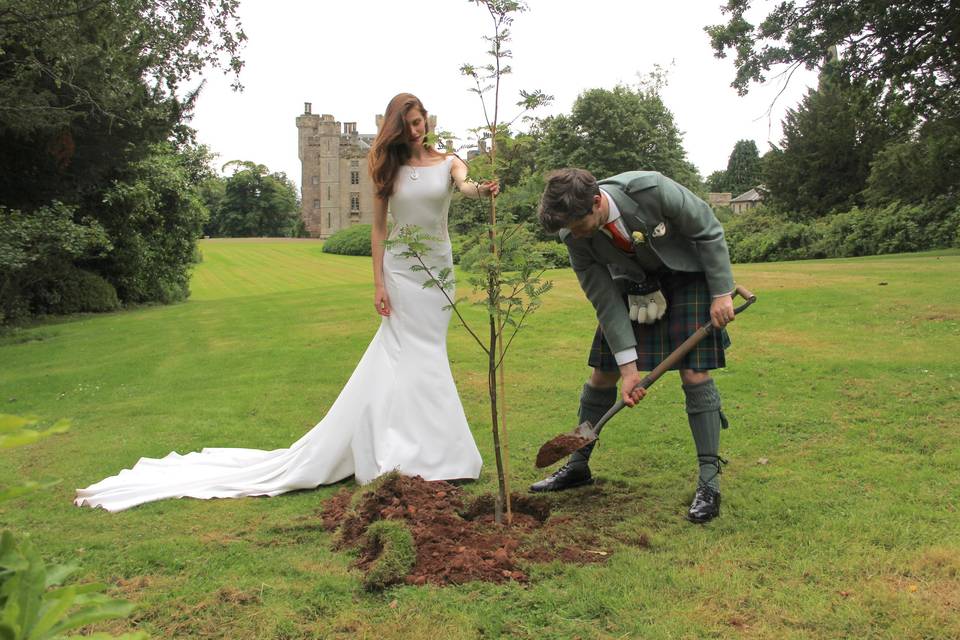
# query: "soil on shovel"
(560, 447)
(456, 538)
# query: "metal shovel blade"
(565, 444)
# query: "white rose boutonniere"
(638, 237)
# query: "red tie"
(619, 239)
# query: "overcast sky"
(349, 58)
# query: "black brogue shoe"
(705, 506)
(566, 477)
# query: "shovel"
(566, 443)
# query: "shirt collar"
(614, 212)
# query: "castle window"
(354, 203)
(354, 164)
(316, 204)
(328, 192)
(328, 219)
(315, 180)
(354, 177)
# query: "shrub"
(895, 228)
(154, 215)
(85, 291)
(760, 235)
(37, 249)
(352, 241)
(554, 254)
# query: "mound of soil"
(456, 540)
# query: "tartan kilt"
(688, 308)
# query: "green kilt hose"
(688, 309)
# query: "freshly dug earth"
(559, 447)
(456, 541)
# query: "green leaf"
(97, 613)
(57, 573)
(56, 605)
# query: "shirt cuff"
(729, 293)
(626, 356)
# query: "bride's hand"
(381, 301)
(490, 188)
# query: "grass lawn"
(840, 514)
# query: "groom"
(651, 257)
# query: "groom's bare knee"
(604, 379)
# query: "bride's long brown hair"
(390, 149)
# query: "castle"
(336, 191)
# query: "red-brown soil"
(456, 537)
(559, 447)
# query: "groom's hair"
(567, 197)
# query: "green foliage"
(36, 250)
(828, 143)
(763, 235)
(898, 46)
(717, 182)
(254, 203)
(397, 554)
(554, 253)
(86, 291)
(154, 216)
(759, 235)
(88, 94)
(895, 228)
(921, 168)
(352, 241)
(611, 131)
(743, 167)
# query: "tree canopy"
(255, 203)
(829, 141)
(94, 100)
(613, 130)
(911, 49)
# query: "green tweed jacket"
(677, 226)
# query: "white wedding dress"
(398, 411)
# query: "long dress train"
(398, 411)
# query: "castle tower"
(319, 152)
(335, 187)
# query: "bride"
(400, 409)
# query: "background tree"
(743, 168)
(257, 203)
(613, 130)
(92, 100)
(716, 182)
(900, 47)
(828, 143)
(920, 168)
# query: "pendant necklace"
(413, 173)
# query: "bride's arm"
(469, 188)
(378, 236)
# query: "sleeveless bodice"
(421, 197)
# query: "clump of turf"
(396, 556)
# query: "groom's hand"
(630, 388)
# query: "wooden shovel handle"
(677, 355)
(688, 344)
